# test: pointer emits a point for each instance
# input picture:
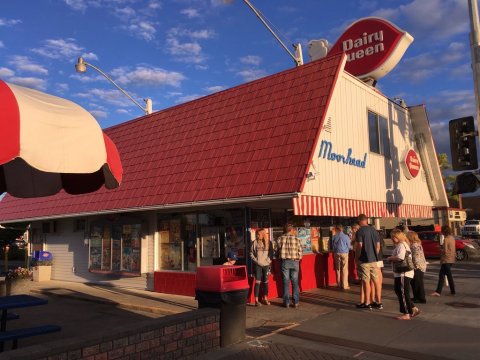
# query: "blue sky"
(176, 50)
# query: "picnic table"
(15, 302)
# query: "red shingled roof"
(253, 139)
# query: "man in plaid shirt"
(290, 253)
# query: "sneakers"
(435, 294)
(364, 306)
(295, 306)
(378, 306)
(285, 305)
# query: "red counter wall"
(316, 270)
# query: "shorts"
(380, 264)
(368, 271)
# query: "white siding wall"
(71, 259)
(382, 180)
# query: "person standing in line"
(340, 248)
(367, 247)
(420, 264)
(261, 253)
(290, 253)
(447, 259)
(402, 279)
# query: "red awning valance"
(324, 206)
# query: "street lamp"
(81, 67)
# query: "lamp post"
(81, 67)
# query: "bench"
(14, 335)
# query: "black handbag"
(405, 265)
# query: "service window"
(378, 134)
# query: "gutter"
(163, 207)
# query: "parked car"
(471, 228)
(465, 248)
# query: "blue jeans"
(290, 272)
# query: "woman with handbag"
(403, 273)
(420, 267)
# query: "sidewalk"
(326, 326)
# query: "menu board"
(131, 247)
(116, 254)
(303, 235)
(172, 256)
(210, 242)
(95, 253)
(235, 240)
(106, 253)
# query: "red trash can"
(225, 288)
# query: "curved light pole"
(81, 67)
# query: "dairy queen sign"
(411, 164)
(373, 47)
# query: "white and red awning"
(324, 206)
(48, 143)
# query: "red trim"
(352, 208)
(339, 69)
(10, 125)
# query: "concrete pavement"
(326, 326)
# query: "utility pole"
(475, 52)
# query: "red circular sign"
(412, 164)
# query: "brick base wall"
(181, 336)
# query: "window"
(115, 247)
(378, 134)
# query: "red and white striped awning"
(324, 206)
(48, 143)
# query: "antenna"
(298, 56)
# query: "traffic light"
(466, 182)
(463, 144)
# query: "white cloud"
(122, 111)
(188, 98)
(30, 82)
(9, 22)
(214, 89)
(144, 75)
(251, 60)
(111, 96)
(2, 45)
(6, 72)
(59, 48)
(125, 13)
(89, 77)
(201, 67)
(62, 87)
(190, 13)
(418, 68)
(193, 34)
(190, 52)
(79, 5)
(90, 56)
(252, 74)
(431, 18)
(144, 30)
(99, 114)
(23, 63)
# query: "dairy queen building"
(313, 145)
